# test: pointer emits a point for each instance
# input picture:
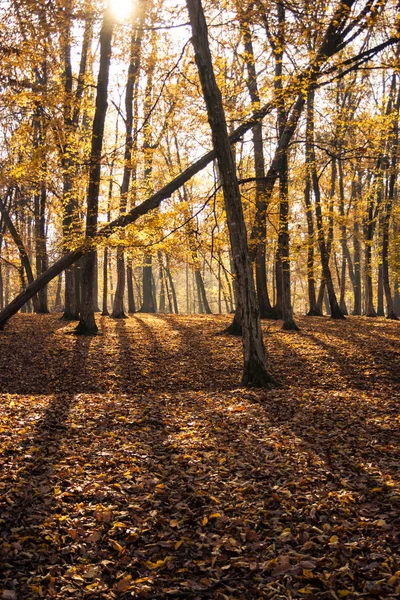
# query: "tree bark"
(254, 371)
(87, 324)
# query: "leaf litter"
(133, 466)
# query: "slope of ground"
(134, 465)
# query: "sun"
(122, 9)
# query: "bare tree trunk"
(343, 241)
(254, 372)
(380, 310)
(96, 307)
(87, 324)
(2, 229)
(40, 241)
(324, 246)
(357, 268)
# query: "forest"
(199, 299)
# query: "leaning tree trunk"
(254, 372)
(87, 324)
(24, 258)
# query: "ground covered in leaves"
(134, 465)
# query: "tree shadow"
(33, 497)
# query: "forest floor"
(134, 465)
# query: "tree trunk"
(57, 302)
(324, 247)
(40, 242)
(357, 268)
(96, 307)
(148, 305)
(343, 238)
(129, 280)
(380, 310)
(201, 290)
(172, 287)
(390, 196)
(314, 310)
(104, 312)
(87, 324)
(254, 372)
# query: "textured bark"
(87, 324)
(204, 306)
(343, 241)
(254, 372)
(201, 290)
(57, 302)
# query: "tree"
(87, 323)
(254, 371)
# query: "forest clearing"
(134, 466)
